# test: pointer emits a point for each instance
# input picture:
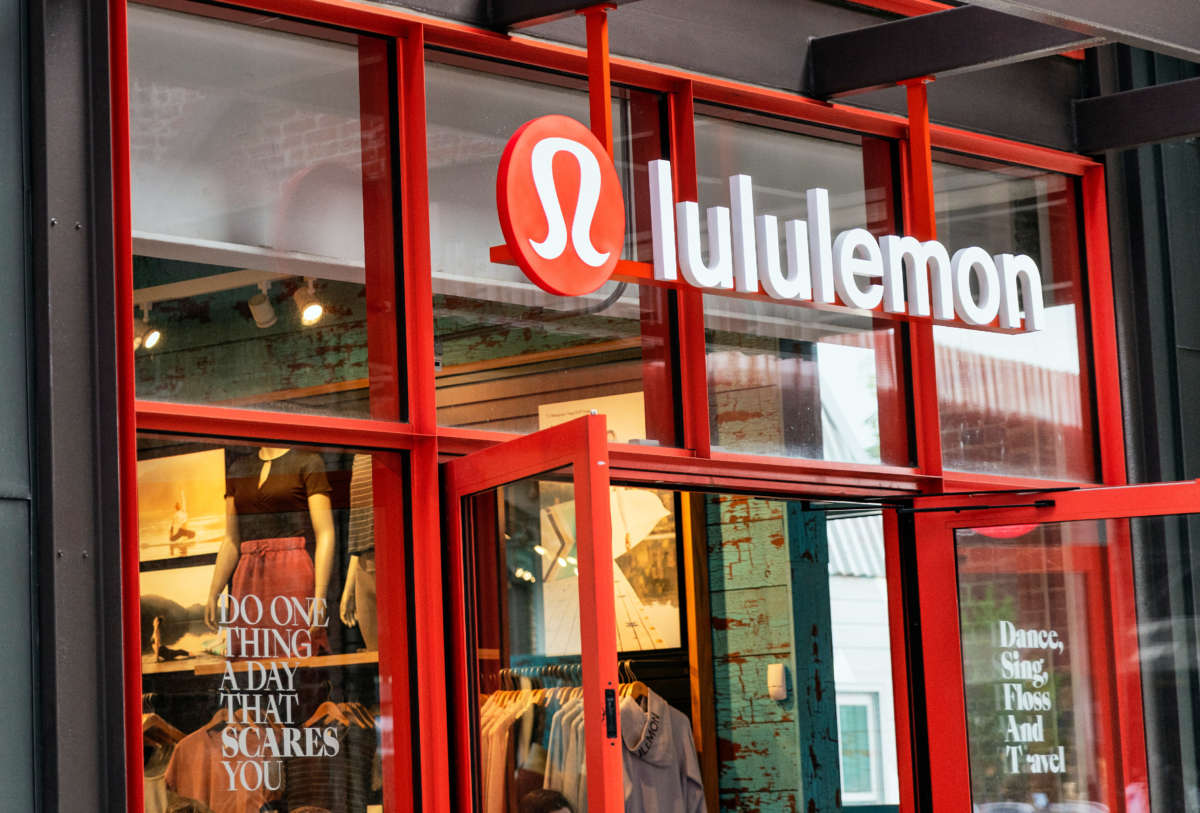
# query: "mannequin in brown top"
(277, 508)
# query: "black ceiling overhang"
(1169, 27)
(945, 42)
(1134, 118)
(522, 13)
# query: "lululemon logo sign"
(560, 206)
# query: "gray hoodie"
(662, 773)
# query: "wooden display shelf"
(212, 665)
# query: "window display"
(1016, 404)
(790, 380)
(1037, 663)
(260, 664)
(508, 351)
(259, 216)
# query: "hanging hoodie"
(662, 772)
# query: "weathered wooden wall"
(768, 573)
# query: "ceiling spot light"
(261, 308)
(310, 308)
(146, 335)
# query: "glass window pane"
(862, 665)
(1038, 665)
(1016, 404)
(527, 643)
(527, 637)
(259, 623)
(854, 741)
(511, 356)
(805, 590)
(792, 380)
(1167, 578)
(258, 157)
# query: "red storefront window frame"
(1121, 710)
(693, 465)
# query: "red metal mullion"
(201, 419)
(890, 363)
(1068, 267)
(460, 700)
(375, 125)
(1096, 502)
(387, 480)
(418, 274)
(598, 618)
(599, 75)
(126, 393)
(658, 363)
(902, 690)
(922, 224)
(1128, 678)
(941, 647)
(1013, 152)
(437, 759)
(1107, 376)
(341, 13)
(693, 362)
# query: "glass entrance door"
(1044, 665)
(531, 596)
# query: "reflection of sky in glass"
(849, 404)
(1033, 349)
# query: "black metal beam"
(1134, 118)
(946, 42)
(522, 13)
(1171, 28)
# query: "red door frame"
(934, 526)
(582, 446)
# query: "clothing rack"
(531, 736)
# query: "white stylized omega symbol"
(585, 207)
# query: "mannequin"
(358, 596)
(275, 502)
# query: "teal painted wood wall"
(768, 577)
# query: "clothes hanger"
(358, 714)
(328, 711)
(156, 729)
(637, 690)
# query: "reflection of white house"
(862, 664)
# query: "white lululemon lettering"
(820, 248)
(662, 220)
(718, 272)
(856, 255)
(741, 205)
(900, 274)
(1020, 272)
(970, 262)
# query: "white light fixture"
(145, 335)
(261, 308)
(310, 308)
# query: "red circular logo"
(560, 206)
